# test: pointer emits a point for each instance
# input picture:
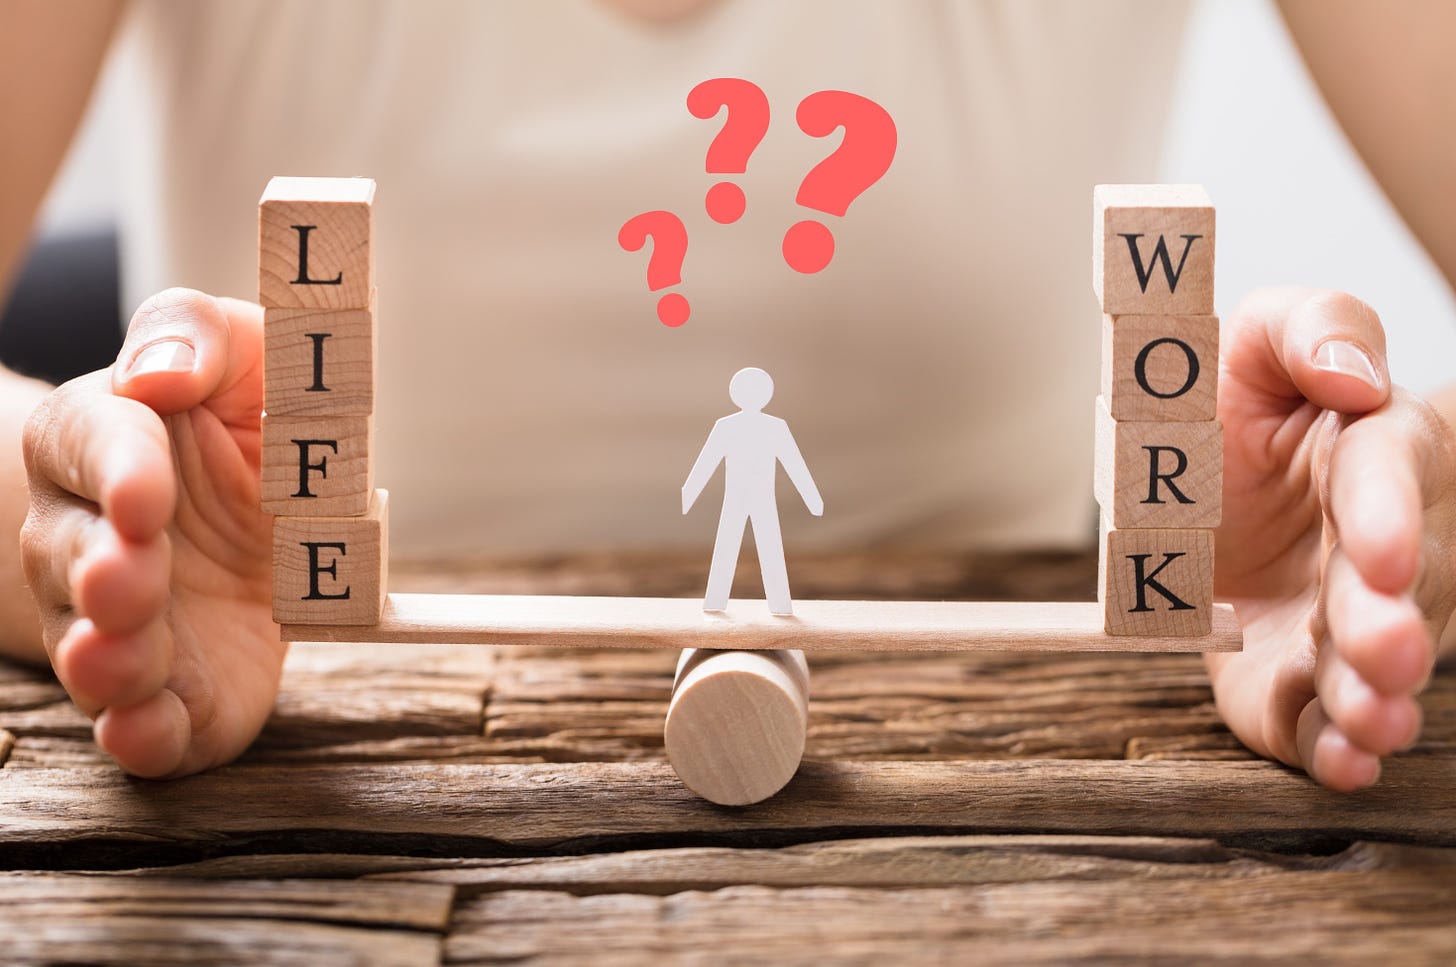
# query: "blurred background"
(1295, 203)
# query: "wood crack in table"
(452, 803)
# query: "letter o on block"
(737, 722)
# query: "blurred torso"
(938, 375)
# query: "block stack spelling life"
(316, 285)
(1159, 471)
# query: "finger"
(100, 670)
(49, 540)
(1376, 501)
(120, 585)
(1377, 723)
(1383, 637)
(149, 739)
(114, 452)
(1329, 757)
(1326, 347)
(1267, 684)
(184, 348)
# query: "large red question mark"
(743, 131)
(861, 159)
(664, 268)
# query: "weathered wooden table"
(415, 804)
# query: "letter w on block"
(1127, 282)
(1160, 256)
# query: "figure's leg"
(770, 543)
(725, 558)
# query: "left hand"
(1338, 539)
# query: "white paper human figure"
(751, 443)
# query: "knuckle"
(170, 309)
(36, 536)
(36, 435)
(1338, 304)
(1426, 430)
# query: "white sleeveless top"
(938, 375)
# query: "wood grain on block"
(815, 626)
(319, 362)
(1153, 249)
(314, 249)
(332, 570)
(1159, 474)
(737, 722)
(1158, 584)
(317, 466)
(1160, 368)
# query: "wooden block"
(332, 570)
(317, 466)
(1156, 583)
(556, 621)
(737, 722)
(1160, 368)
(1159, 474)
(314, 248)
(319, 363)
(1153, 250)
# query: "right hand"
(146, 546)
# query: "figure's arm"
(798, 472)
(50, 53)
(1387, 72)
(703, 468)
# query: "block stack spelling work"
(316, 285)
(1159, 474)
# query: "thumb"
(184, 348)
(1326, 347)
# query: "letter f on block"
(304, 467)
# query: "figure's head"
(751, 389)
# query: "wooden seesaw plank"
(574, 622)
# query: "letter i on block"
(1159, 476)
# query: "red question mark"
(861, 159)
(664, 268)
(746, 125)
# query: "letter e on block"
(332, 570)
(1153, 250)
(314, 249)
(1156, 583)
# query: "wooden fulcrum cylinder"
(736, 726)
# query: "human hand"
(1338, 536)
(146, 546)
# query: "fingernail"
(1347, 359)
(167, 356)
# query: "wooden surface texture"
(447, 803)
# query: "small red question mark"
(743, 131)
(664, 268)
(861, 159)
